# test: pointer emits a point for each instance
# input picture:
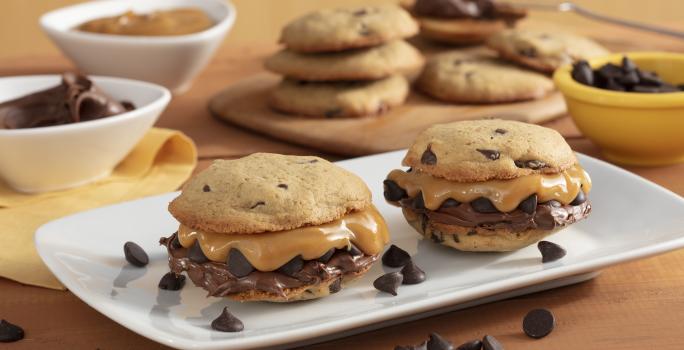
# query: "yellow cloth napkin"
(161, 162)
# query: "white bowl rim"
(217, 29)
(161, 101)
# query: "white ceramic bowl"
(64, 156)
(171, 61)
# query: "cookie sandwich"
(489, 185)
(270, 227)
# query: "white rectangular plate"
(632, 218)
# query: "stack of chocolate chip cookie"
(345, 62)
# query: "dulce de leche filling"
(505, 195)
(270, 250)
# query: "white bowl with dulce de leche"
(167, 42)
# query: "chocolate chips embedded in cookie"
(226, 322)
(389, 282)
(581, 198)
(450, 203)
(238, 265)
(491, 154)
(483, 205)
(538, 323)
(135, 255)
(550, 251)
(412, 274)
(529, 205)
(10, 332)
(293, 266)
(259, 203)
(335, 286)
(471, 345)
(393, 192)
(500, 131)
(530, 164)
(171, 281)
(206, 188)
(428, 157)
(326, 257)
(395, 257)
(195, 254)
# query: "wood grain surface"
(639, 305)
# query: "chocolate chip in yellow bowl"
(639, 127)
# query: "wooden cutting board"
(244, 103)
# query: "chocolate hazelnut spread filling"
(474, 9)
(218, 280)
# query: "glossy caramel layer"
(268, 251)
(178, 21)
(506, 195)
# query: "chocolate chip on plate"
(581, 198)
(10, 332)
(412, 273)
(489, 153)
(483, 205)
(471, 345)
(582, 73)
(388, 282)
(491, 343)
(550, 251)
(436, 342)
(529, 205)
(195, 254)
(395, 257)
(428, 157)
(326, 257)
(392, 191)
(135, 255)
(538, 323)
(226, 322)
(238, 265)
(293, 266)
(171, 281)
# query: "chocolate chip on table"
(550, 251)
(226, 322)
(529, 205)
(335, 286)
(326, 257)
(450, 203)
(283, 186)
(293, 266)
(581, 198)
(135, 255)
(392, 191)
(196, 255)
(206, 188)
(10, 332)
(436, 342)
(538, 323)
(389, 282)
(491, 154)
(483, 205)
(171, 281)
(395, 257)
(582, 73)
(237, 263)
(257, 204)
(471, 345)
(428, 157)
(491, 343)
(412, 274)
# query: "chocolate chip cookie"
(348, 28)
(339, 99)
(272, 227)
(475, 77)
(544, 50)
(489, 185)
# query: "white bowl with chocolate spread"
(59, 132)
(167, 42)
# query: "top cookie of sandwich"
(481, 150)
(348, 28)
(268, 192)
(544, 50)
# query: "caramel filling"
(178, 21)
(270, 250)
(506, 195)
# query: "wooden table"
(639, 305)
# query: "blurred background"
(261, 20)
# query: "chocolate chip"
(491, 154)
(535, 164)
(483, 205)
(424, 222)
(206, 188)
(612, 84)
(437, 237)
(335, 286)
(388, 282)
(428, 157)
(326, 257)
(436, 342)
(135, 255)
(175, 242)
(195, 254)
(582, 73)
(238, 265)
(171, 281)
(538, 323)
(293, 266)
(128, 105)
(529, 205)
(419, 202)
(332, 113)
(610, 71)
(630, 78)
(226, 322)
(411, 169)
(491, 343)
(354, 251)
(550, 251)
(581, 198)
(395, 257)
(392, 191)
(500, 131)
(421, 346)
(471, 345)
(10, 332)
(472, 233)
(628, 65)
(649, 78)
(450, 203)
(528, 52)
(360, 12)
(412, 273)
(257, 204)
(283, 186)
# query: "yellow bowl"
(631, 128)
